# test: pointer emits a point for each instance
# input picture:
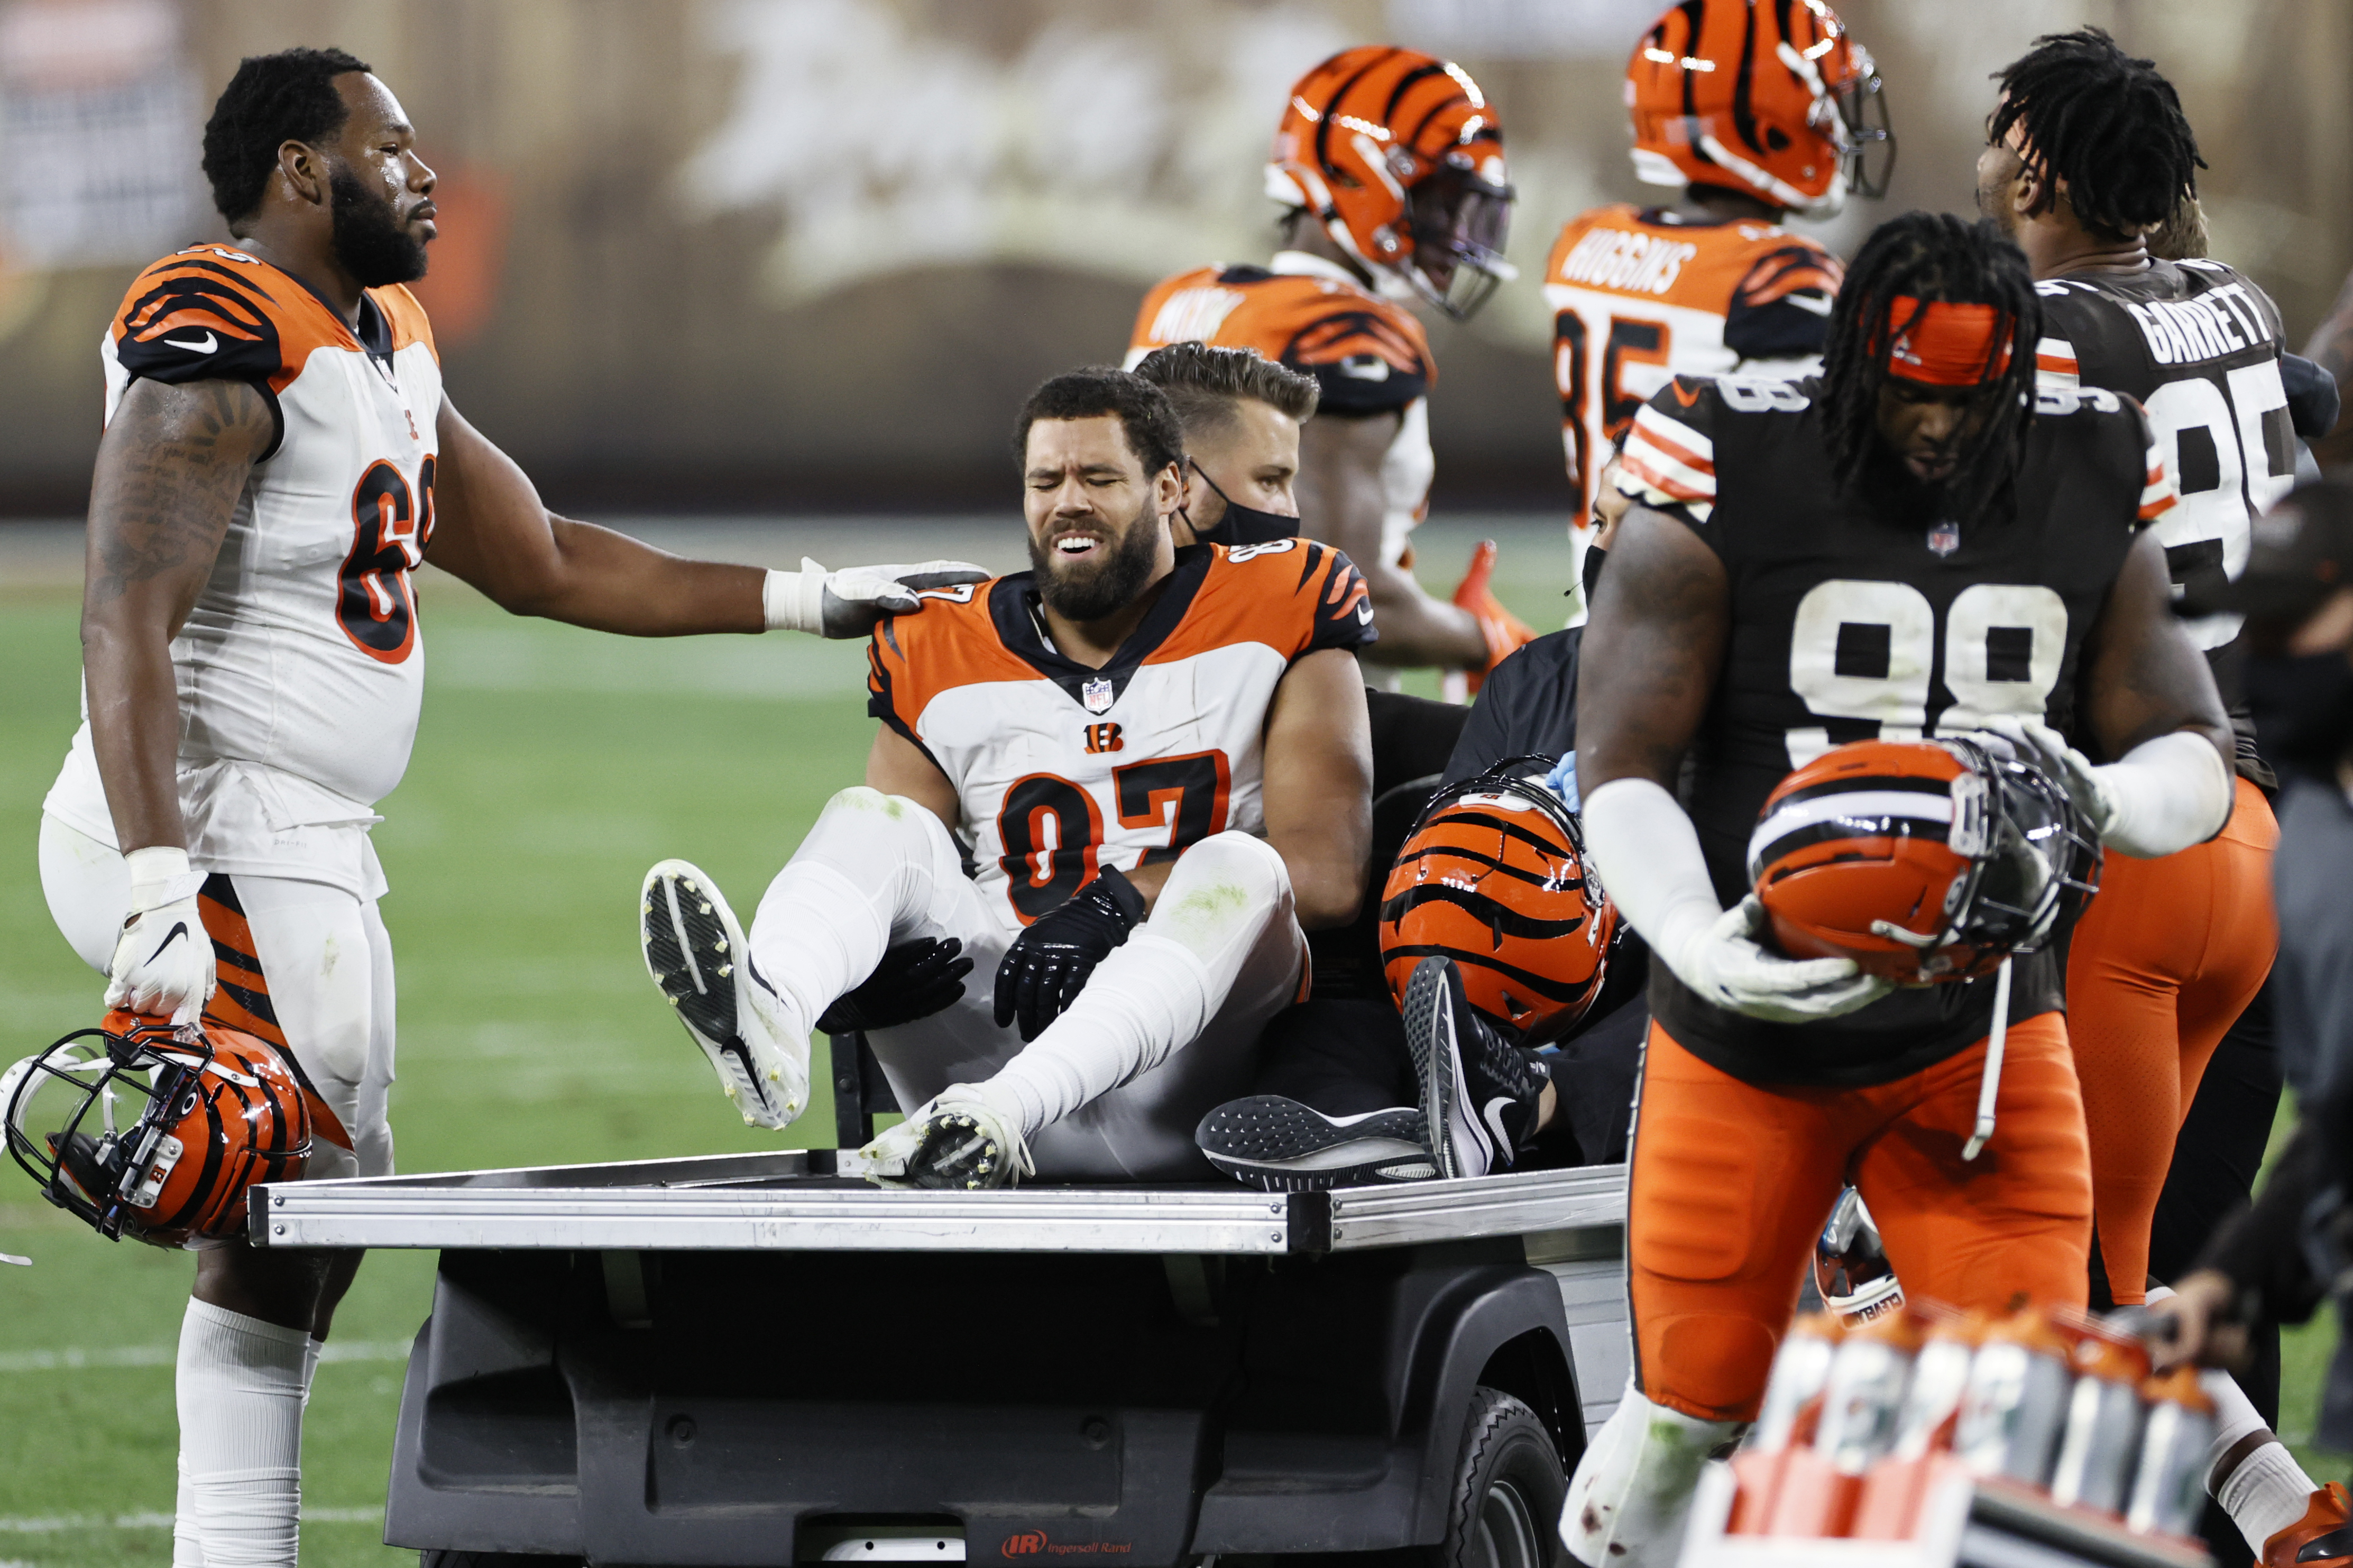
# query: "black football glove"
(915, 980)
(1047, 963)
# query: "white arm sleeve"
(2168, 793)
(1648, 853)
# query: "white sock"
(871, 863)
(2268, 1492)
(239, 1388)
(1155, 993)
(311, 1367)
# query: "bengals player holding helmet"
(1390, 164)
(1912, 544)
(2172, 955)
(1754, 111)
(277, 460)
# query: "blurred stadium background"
(756, 278)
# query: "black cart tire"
(1508, 1491)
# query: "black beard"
(1109, 588)
(369, 239)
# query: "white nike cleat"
(697, 954)
(955, 1142)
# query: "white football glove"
(1726, 964)
(2069, 769)
(849, 603)
(163, 964)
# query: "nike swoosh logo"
(1493, 1115)
(206, 346)
(179, 930)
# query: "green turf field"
(553, 767)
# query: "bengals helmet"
(1400, 157)
(158, 1130)
(1921, 860)
(1768, 96)
(1494, 876)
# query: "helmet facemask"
(90, 1123)
(2037, 860)
(1460, 224)
(1866, 138)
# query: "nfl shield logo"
(1945, 538)
(1097, 696)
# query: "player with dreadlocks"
(2088, 154)
(1907, 545)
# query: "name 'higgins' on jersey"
(1060, 768)
(1857, 614)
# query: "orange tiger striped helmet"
(1921, 860)
(1770, 97)
(1493, 877)
(189, 1121)
(1400, 157)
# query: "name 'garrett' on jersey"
(1060, 769)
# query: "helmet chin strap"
(1991, 1084)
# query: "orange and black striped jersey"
(1368, 355)
(301, 668)
(1639, 296)
(1061, 769)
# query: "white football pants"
(1166, 1030)
(327, 962)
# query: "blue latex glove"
(1562, 782)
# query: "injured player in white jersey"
(1117, 788)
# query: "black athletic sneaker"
(1286, 1147)
(1479, 1091)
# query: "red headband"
(1948, 343)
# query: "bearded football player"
(1754, 113)
(2088, 156)
(1389, 164)
(1910, 547)
(279, 458)
(1156, 762)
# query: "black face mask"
(1592, 573)
(1242, 524)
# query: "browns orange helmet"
(140, 1127)
(1921, 860)
(1772, 97)
(1400, 157)
(1493, 877)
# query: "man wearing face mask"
(1241, 414)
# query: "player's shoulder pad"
(1297, 594)
(212, 314)
(951, 642)
(407, 318)
(1368, 355)
(2110, 433)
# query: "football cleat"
(1851, 1268)
(2323, 1538)
(697, 954)
(1503, 632)
(954, 1143)
(1286, 1147)
(1479, 1091)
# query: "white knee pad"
(1632, 1491)
(1221, 894)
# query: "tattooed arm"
(169, 468)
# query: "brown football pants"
(2164, 961)
(1730, 1183)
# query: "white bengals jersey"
(1061, 769)
(300, 668)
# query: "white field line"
(63, 1521)
(163, 1355)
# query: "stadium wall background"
(784, 255)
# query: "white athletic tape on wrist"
(795, 601)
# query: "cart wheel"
(493, 1559)
(1508, 1491)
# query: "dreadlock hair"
(1931, 257)
(272, 100)
(2108, 125)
